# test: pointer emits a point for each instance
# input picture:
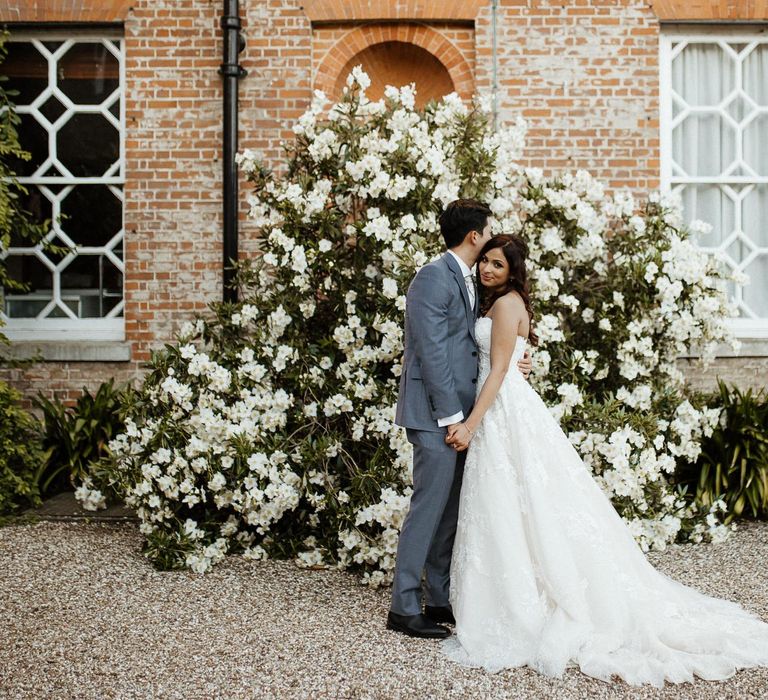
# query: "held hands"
(459, 435)
(525, 365)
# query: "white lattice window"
(71, 105)
(714, 144)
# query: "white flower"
(571, 395)
(307, 308)
(255, 553)
(359, 76)
(389, 288)
(218, 482)
(298, 259)
(89, 497)
(639, 397)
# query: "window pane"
(52, 109)
(27, 71)
(756, 144)
(92, 215)
(703, 74)
(756, 74)
(34, 139)
(755, 215)
(79, 280)
(704, 144)
(711, 204)
(95, 282)
(39, 208)
(87, 145)
(756, 292)
(88, 73)
(28, 270)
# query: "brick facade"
(585, 74)
(585, 77)
(711, 10)
(66, 11)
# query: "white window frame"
(110, 327)
(676, 33)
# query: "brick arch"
(359, 39)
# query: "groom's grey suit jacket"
(439, 375)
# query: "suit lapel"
(453, 266)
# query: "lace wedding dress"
(546, 574)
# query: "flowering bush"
(267, 428)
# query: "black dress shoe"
(416, 626)
(440, 614)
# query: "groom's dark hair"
(460, 217)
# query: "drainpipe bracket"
(232, 69)
(230, 22)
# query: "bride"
(544, 571)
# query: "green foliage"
(17, 225)
(75, 438)
(733, 465)
(20, 454)
(14, 218)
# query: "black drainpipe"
(231, 72)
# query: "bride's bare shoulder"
(510, 303)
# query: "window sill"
(73, 351)
(750, 347)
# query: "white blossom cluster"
(90, 498)
(377, 552)
(268, 431)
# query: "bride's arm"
(508, 313)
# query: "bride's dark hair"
(515, 251)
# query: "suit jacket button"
(474, 381)
(474, 353)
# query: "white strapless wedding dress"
(546, 574)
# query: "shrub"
(732, 470)
(20, 454)
(266, 428)
(76, 438)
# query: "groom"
(437, 391)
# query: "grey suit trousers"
(437, 475)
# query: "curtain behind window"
(706, 144)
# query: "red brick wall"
(364, 10)
(584, 74)
(713, 10)
(65, 11)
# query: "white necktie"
(470, 282)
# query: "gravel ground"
(84, 615)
